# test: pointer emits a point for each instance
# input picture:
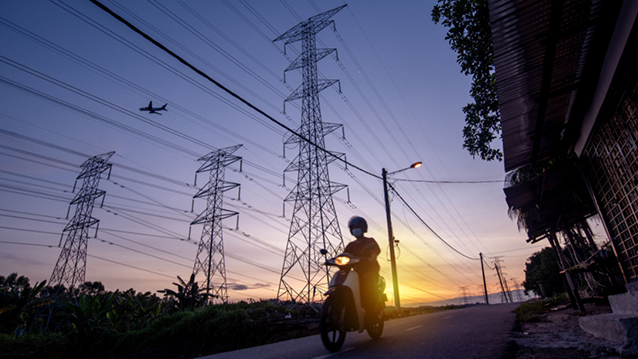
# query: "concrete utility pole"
(391, 241)
(393, 262)
(487, 301)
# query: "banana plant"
(20, 302)
(188, 295)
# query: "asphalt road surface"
(475, 332)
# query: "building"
(567, 80)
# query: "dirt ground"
(559, 336)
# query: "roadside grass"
(532, 311)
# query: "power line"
(231, 93)
(428, 226)
(129, 266)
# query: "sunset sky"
(72, 79)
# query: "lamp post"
(393, 262)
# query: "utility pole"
(70, 269)
(393, 262)
(391, 241)
(480, 290)
(210, 257)
(487, 301)
(314, 225)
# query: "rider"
(368, 269)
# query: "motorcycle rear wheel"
(332, 323)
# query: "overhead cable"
(428, 226)
(231, 93)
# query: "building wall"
(610, 161)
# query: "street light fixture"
(393, 263)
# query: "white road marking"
(417, 327)
(332, 354)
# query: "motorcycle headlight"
(342, 260)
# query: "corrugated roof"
(547, 54)
(554, 200)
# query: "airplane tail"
(164, 107)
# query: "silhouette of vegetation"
(541, 268)
(18, 302)
(470, 36)
(532, 311)
(99, 324)
(189, 295)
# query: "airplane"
(152, 109)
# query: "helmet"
(358, 222)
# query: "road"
(475, 332)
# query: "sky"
(72, 79)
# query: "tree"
(92, 288)
(542, 267)
(470, 36)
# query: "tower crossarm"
(299, 61)
(210, 188)
(83, 222)
(328, 128)
(87, 196)
(299, 92)
(313, 25)
(204, 216)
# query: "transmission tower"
(505, 292)
(463, 295)
(70, 268)
(210, 253)
(314, 225)
(517, 289)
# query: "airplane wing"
(150, 105)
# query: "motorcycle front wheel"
(332, 323)
(374, 326)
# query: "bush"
(532, 311)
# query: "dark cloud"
(239, 286)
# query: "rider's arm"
(372, 250)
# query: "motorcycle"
(342, 311)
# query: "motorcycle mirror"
(323, 251)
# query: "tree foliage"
(470, 37)
(543, 267)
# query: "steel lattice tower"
(70, 268)
(505, 291)
(210, 253)
(314, 225)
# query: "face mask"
(357, 232)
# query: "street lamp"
(393, 262)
